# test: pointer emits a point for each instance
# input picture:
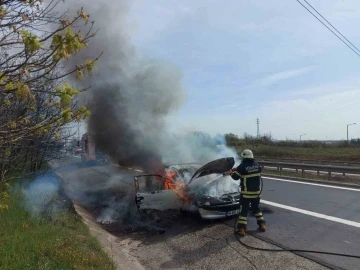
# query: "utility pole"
(258, 126)
(78, 131)
(301, 136)
(347, 132)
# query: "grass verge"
(63, 242)
(314, 176)
(344, 154)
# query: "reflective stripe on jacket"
(249, 173)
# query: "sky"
(245, 59)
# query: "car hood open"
(218, 166)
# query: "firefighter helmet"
(247, 153)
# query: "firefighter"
(249, 173)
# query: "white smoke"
(194, 147)
(44, 197)
(215, 185)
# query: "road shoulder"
(120, 256)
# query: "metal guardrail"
(311, 161)
(311, 167)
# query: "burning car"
(190, 187)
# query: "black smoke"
(130, 96)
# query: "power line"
(332, 25)
(328, 28)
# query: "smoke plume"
(130, 95)
(130, 98)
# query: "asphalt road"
(191, 243)
(303, 231)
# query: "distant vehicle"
(77, 150)
(89, 153)
(191, 187)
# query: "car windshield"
(184, 171)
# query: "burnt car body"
(200, 188)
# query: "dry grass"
(344, 154)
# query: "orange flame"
(177, 186)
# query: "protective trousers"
(244, 209)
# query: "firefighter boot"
(240, 231)
(262, 227)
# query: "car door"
(151, 195)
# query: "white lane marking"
(314, 214)
(76, 156)
(312, 184)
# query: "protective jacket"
(249, 173)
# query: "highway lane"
(301, 231)
(298, 231)
(188, 241)
(338, 202)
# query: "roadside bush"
(36, 100)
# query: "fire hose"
(283, 249)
